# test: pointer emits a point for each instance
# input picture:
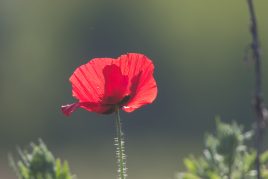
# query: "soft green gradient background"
(198, 49)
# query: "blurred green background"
(198, 48)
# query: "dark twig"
(258, 99)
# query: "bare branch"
(258, 99)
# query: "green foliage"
(40, 164)
(226, 156)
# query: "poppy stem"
(119, 142)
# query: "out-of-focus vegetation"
(40, 163)
(227, 155)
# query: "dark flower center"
(109, 101)
(124, 100)
(119, 104)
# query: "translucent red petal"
(69, 108)
(142, 84)
(88, 80)
(116, 85)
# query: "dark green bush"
(40, 163)
(227, 155)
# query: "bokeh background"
(198, 48)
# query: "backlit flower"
(105, 84)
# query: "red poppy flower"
(104, 84)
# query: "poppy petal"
(146, 94)
(139, 70)
(102, 109)
(68, 109)
(88, 80)
(115, 84)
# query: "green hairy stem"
(119, 142)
